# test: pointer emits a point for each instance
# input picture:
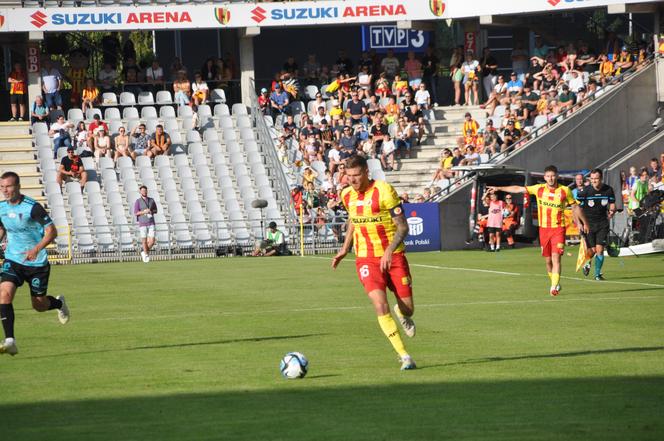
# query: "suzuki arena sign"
(242, 15)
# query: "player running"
(552, 200)
(598, 202)
(377, 225)
(29, 230)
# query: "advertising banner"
(423, 227)
(383, 37)
(242, 15)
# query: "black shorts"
(16, 98)
(598, 235)
(493, 230)
(37, 276)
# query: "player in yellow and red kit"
(377, 226)
(552, 200)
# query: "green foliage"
(189, 350)
(599, 23)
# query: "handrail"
(270, 152)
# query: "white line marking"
(505, 273)
(368, 307)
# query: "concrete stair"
(18, 155)
(413, 174)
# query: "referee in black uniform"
(598, 202)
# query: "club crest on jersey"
(36, 283)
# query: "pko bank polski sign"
(423, 227)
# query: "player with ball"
(377, 225)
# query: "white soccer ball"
(294, 365)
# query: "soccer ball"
(294, 365)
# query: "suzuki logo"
(258, 14)
(38, 19)
(554, 2)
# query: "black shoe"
(497, 250)
(600, 278)
(586, 269)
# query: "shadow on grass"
(555, 355)
(615, 408)
(182, 345)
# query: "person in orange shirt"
(377, 225)
(90, 95)
(552, 200)
(605, 69)
(17, 92)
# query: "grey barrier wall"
(624, 114)
(585, 140)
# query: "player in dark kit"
(598, 202)
(29, 230)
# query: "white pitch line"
(506, 273)
(351, 308)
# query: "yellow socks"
(555, 279)
(550, 275)
(389, 327)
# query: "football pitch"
(189, 350)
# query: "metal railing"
(268, 148)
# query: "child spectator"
(200, 90)
(495, 221)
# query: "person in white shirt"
(51, 84)
(387, 153)
(320, 116)
(334, 157)
(199, 89)
(107, 78)
(422, 97)
(60, 132)
(471, 80)
(154, 73)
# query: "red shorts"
(552, 240)
(397, 279)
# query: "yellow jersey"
(551, 204)
(371, 213)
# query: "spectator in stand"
(639, 191)
(39, 112)
(415, 117)
(456, 60)
(154, 75)
(494, 222)
(200, 90)
(144, 209)
(334, 158)
(430, 74)
(290, 128)
(511, 136)
(390, 64)
(160, 143)
(391, 110)
(141, 144)
(511, 219)
(121, 144)
(181, 89)
(443, 171)
(348, 143)
(90, 95)
(379, 133)
(364, 81)
(606, 69)
(388, 150)
(60, 132)
(264, 102)
(92, 129)
(655, 169)
(107, 78)
(102, 143)
(291, 66)
(311, 70)
(131, 66)
(540, 50)
(382, 88)
(566, 98)
(17, 92)
(209, 72)
(357, 109)
(514, 86)
(471, 71)
(492, 141)
(471, 157)
(405, 137)
(489, 69)
(529, 101)
(71, 169)
(51, 80)
(520, 61)
(279, 102)
(81, 137)
(413, 68)
(320, 116)
(624, 62)
(422, 97)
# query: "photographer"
(274, 243)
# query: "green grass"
(189, 350)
